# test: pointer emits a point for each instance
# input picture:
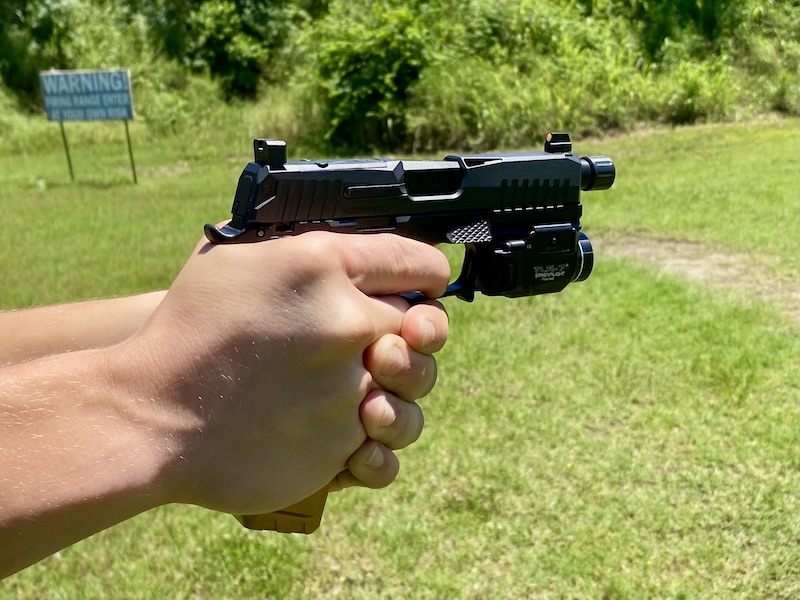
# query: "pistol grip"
(301, 517)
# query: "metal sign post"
(66, 149)
(88, 96)
(130, 151)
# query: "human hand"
(253, 376)
(404, 368)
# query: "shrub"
(693, 92)
(366, 67)
(235, 40)
(550, 69)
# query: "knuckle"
(405, 372)
(353, 324)
(374, 465)
(391, 421)
(320, 252)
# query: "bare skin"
(37, 332)
(292, 360)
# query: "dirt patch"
(708, 265)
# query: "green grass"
(102, 235)
(735, 187)
(634, 436)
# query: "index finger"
(382, 264)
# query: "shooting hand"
(257, 369)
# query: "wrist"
(150, 429)
(150, 389)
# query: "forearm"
(36, 332)
(73, 460)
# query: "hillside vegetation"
(412, 75)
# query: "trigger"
(463, 287)
(457, 289)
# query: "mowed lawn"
(634, 436)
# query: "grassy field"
(634, 436)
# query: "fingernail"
(376, 458)
(388, 416)
(395, 361)
(428, 332)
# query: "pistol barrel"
(597, 173)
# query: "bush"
(764, 46)
(366, 67)
(547, 71)
(511, 70)
(691, 93)
(235, 40)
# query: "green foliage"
(662, 20)
(95, 35)
(682, 91)
(501, 72)
(235, 39)
(355, 75)
(221, 42)
(32, 38)
(366, 71)
(545, 70)
(172, 100)
(763, 43)
(232, 40)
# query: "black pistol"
(518, 216)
